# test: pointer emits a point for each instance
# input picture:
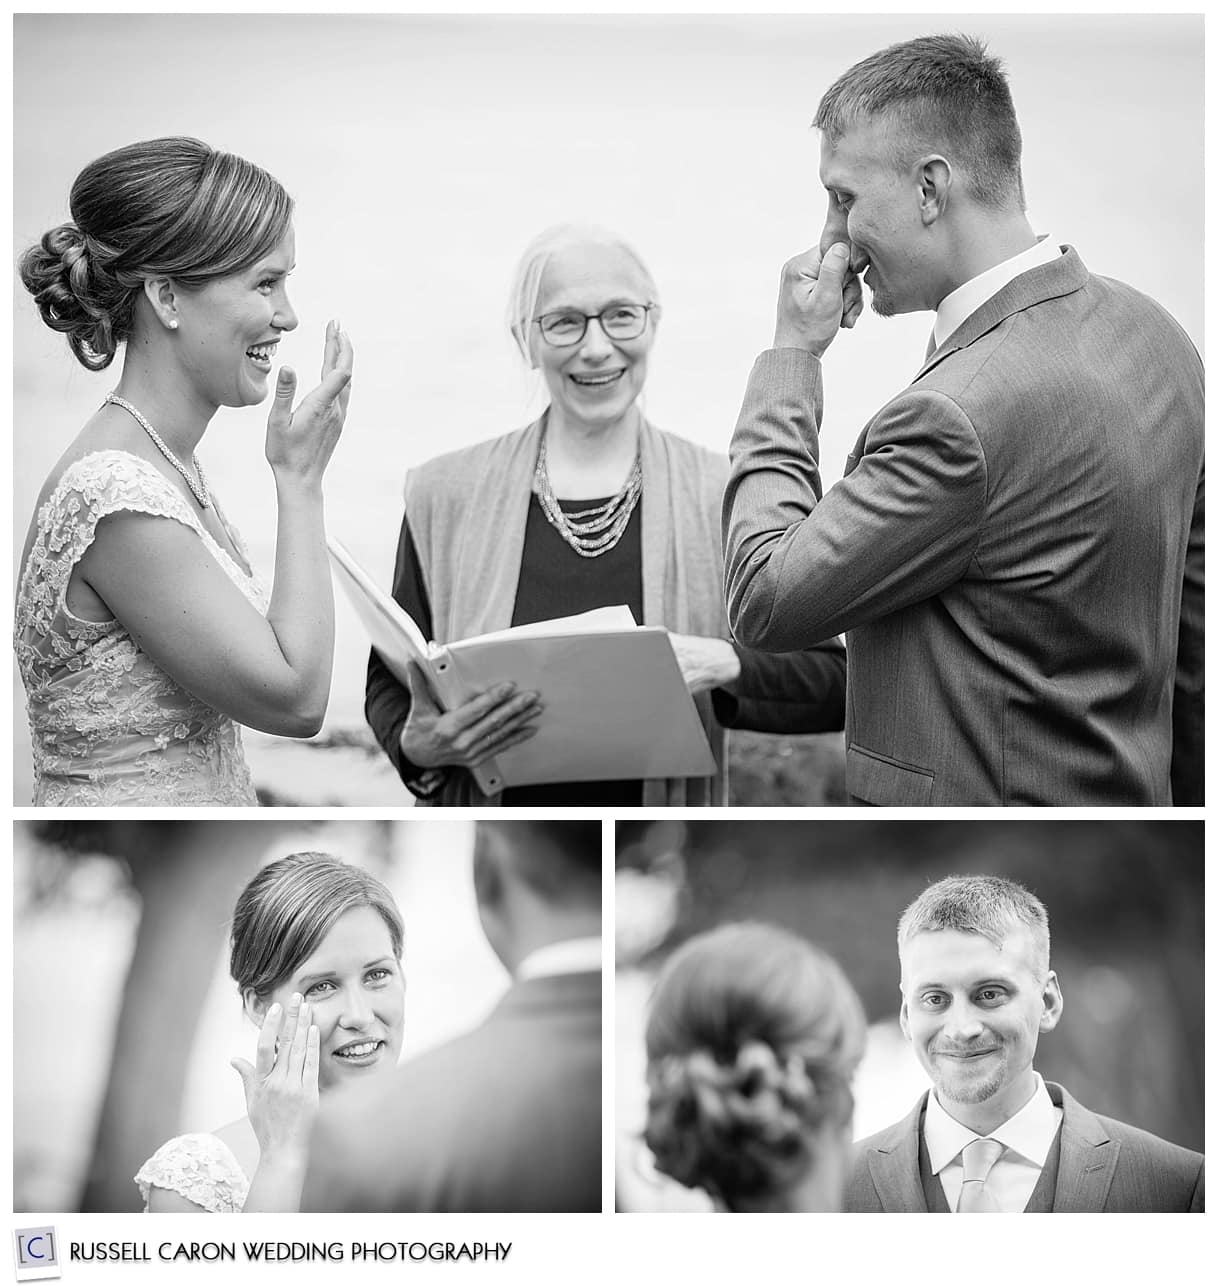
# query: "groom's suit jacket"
(1016, 552)
(505, 1118)
(1099, 1164)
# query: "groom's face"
(974, 1010)
(875, 208)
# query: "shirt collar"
(570, 956)
(1029, 1132)
(964, 301)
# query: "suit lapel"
(893, 1164)
(1047, 281)
(1088, 1156)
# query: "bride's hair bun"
(168, 207)
(752, 1040)
(74, 297)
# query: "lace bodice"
(201, 1168)
(108, 725)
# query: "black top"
(799, 692)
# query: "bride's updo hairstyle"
(752, 1040)
(290, 906)
(170, 207)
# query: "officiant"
(589, 506)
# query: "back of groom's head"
(987, 905)
(537, 882)
(943, 94)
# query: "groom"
(1016, 551)
(977, 992)
(508, 1116)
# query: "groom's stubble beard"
(952, 1084)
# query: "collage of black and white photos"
(498, 502)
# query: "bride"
(752, 1040)
(142, 633)
(316, 954)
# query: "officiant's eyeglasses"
(618, 321)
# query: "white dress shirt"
(964, 301)
(1028, 1137)
(570, 956)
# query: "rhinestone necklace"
(589, 532)
(198, 488)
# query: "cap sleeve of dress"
(201, 1168)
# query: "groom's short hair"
(987, 905)
(559, 861)
(943, 92)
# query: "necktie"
(979, 1157)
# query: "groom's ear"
(904, 1016)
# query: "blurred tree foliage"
(1125, 902)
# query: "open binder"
(615, 704)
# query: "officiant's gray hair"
(987, 905)
(290, 906)
(526, 284)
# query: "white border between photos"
(550, 1249)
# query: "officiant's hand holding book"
(593, 697)
(489, 723)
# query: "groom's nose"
(963, 1024)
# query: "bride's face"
(353, 984)
(229, 328)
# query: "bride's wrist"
(286, 1159)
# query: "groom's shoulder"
(883, 1140)
(1139, 1145)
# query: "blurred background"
(426, 151)
(1125, 916)
(127, 1014)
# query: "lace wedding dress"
(201, 1168)
(108, 726)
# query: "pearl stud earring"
(173, 325)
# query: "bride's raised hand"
(281, 1086)
(299, 443)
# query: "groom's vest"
(1042, 1195)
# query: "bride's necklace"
(589, 532)
(199, 488)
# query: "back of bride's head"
(752, 1040)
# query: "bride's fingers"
(245, 1070)
(330, 352)
(267, 1036)
(291, 1024)
(312, 1061)
(300, 1041)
